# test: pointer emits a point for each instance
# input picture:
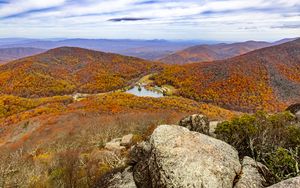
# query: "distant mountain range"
(264, 79)
(146, 49)
(203, 53)
(9, 54)
(171, 52)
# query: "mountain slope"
(147, 49)
(203, 53)
(9, 54)
(263, 79)
(66, 70)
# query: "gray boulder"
(197, 122)
(139, 152)
(115, 145)
(251, 175)
(180, 158)
(117, 179)
(127, 140)
(289, 183)
(139, 156)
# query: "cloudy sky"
(226, 20)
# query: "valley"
(71, 104)
(58, 72)
(149, 94)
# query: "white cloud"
(21, 6)
(187, 18)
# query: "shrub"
(271, 139)
(284, 162)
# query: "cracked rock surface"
(178, 157)
(251, 176)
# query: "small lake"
(143, 92)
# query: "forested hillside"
(67, 70)
(263, 79)
(213, 52)
(202, 53)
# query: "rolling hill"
(203, 53)
(67, 70)
(265, 79)
(146, 49)
(9, 54)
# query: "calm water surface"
(143, 92)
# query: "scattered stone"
(289, 183)
(127, 140)
(181, 158)
(197, 122)
(250, 176)
(114, 145)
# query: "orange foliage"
(67, 70)
(259, 80)
(15, 109)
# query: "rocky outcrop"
(139, 156)
(127, 140)
(177, 157)
(251, 175)
(119, 144)
(289, 183)
(114, 145)
(197, 122)
(173, 156)
(117, 179)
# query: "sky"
(223, 20)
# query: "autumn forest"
(59, 108)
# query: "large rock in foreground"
(289, 183)
(177, 157)
(251, 176)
